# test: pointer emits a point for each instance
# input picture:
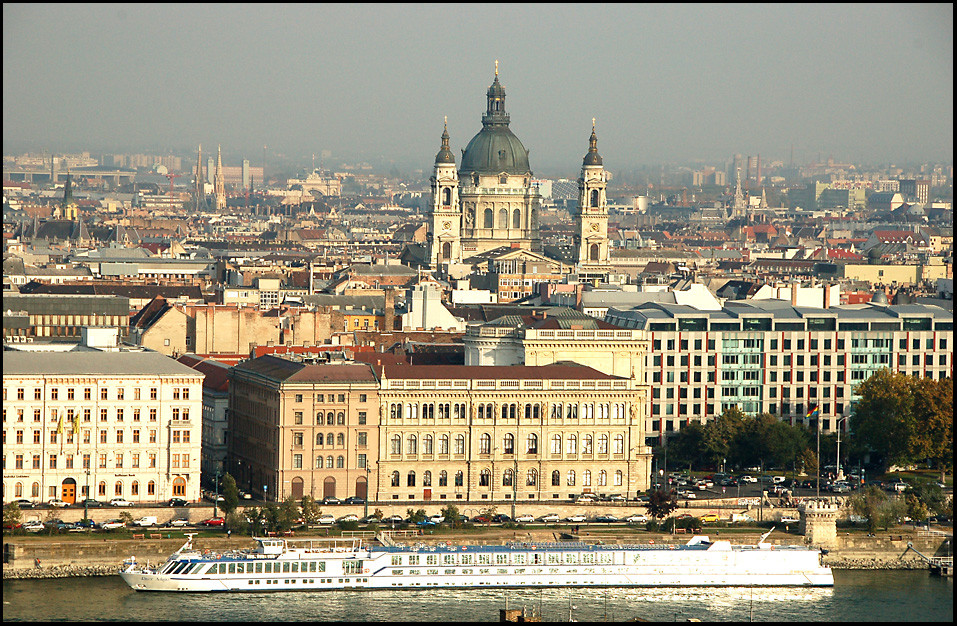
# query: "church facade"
(489, 201)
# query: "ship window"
(285, 568)
(312, 566)
(322, 566)
(259, 568)
(269, 568)
(295, 567)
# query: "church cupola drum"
(492, 202)
(592, 235)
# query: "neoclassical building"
(499, 433)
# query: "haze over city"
(374, 82)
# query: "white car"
(178, 522)
(638, 518)
(113, 524)
(437, 519)
(689, 495)
(789, 519)
(326, 519)
(120, 502)
(351, 517)
(524, 518)
(578, 518)
(33, 526)
(549, 517)
(748, 479)
(57, 503)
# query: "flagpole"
(818, 422)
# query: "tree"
(11, 515)
(884, 415)
(415, 516)
(661, 503)
(451, 514)
(288, 515)
(934, 414)
(873, 504)
(310, 509)
(230, 494)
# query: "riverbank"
(83, 557)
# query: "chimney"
(389, 312)
(794, 293)
(827, 296)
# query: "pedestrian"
(229, 533)
(37, 562)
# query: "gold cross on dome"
(496, 67)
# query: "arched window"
(330, 439)
(179, 487)
(571, 444)
(412, 446)
(340, 461)
(459, 478)
(556, 479)
(18, 490)
(118, 488)
(427, 444)
(503, 178)
(446, 250)
(603, 444)
(619, 444)
(485, 478)
(556, 444)
(571, 478)
(516, 219)
(586, 478)
(586, 444)
(395, 479)
(507, 478)
(594, 197)
(488, 218)
(135, 489)
(443, 444)
(593, 252)
(329, 462)
(341, 418)
(340, 440)
(531, 478)
(485, 444)
(151, 488)
(602, 478)
(101, 488)
(320, 439)
(35, 490)
(410, 480)
(330, 419)
(532, 443)
(443, 479)
(427, 479)
(619, 475)
(319, 462)
(503, 218)
(460, 444)
(446, 197)
(508, 443)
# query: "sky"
(666, 83)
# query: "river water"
(889, 596)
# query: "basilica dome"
(495, 149)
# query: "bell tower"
(445, 224)
(592, 236)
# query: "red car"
(213, 521)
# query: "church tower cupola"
(445, 226)
(591, 237)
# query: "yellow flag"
(59, 426)
(76, 423)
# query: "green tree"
(932, 496)
(230, 494)
(933, 436)
(916, 510)
(880, 510)
(288, 515)
(310, 509)
(451, 514)
(415, 516)
(884, 417)
(11, 515)
(127, 517)
(661, 503)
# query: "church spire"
(592, 158)
(219, 182)
(495, 112)
(445, 154)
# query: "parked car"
(57, 503)
(33, 526)
(898, 486)
(789, 518)
(616, 497)
(177, 502)
(607, 518)
(741, 517)
(245, 496)
(120, 502)
(549, 517)
(709, 518)
(23, 504)
(90, 503)
(326, 518)
(395, 518)
(501, 518)
(177, 523)
(841, 487)
(748, 479)
(438, 519)
(482, 519)
(638, 518)
(214, 521)
(370, 519)
(332, 500)
(524, 518)
(690, 495)
(354, 500)
(61, 525)
(778, 480)
(11, 525)
(145, 521)
(214, 497)
(586, 497)
(577, 518)
(113, 524)
(350, 517)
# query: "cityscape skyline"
(756, 96)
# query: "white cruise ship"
(281, 565)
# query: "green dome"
(495, 149)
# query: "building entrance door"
(68, 491)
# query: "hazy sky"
(869, 82)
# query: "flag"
(59, 426)
(76, 423)
(813, 412)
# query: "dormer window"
(503, 178)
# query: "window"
(460, 444)
(443, 479)
(570, 479)
(410, 479)
(571, 444)
(412, 447)
(508, 444)
(485, 444)
(556, 444)
(532, 443)
(459, 478)
(396, 445)
(619, 444)
(443, 444)
(427, 444)
(602, 444)
(586, 444)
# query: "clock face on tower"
(447, 225)
(594, 227)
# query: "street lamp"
(514, 488)
(86, 500)
(840, 472)
(368, 473)
(216, 497)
